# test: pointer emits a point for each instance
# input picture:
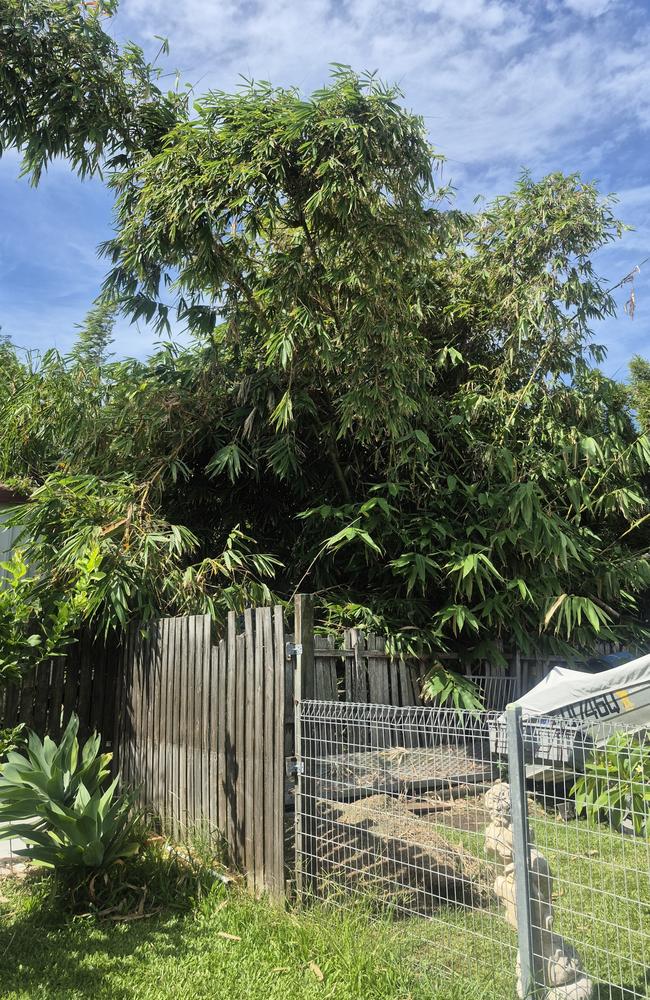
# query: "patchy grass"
(230, 945)
(196, 940)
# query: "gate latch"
(293, 649)
(293, 767)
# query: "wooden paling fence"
(200, 733)
(81, 681)
(362, 671)
(201, 728)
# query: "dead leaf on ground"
(317, 971)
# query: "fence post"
(518, 679)
(304, 628)
(521, 847)
(303, 687)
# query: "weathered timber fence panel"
(362, 671)
(200, 733)
(81, 681)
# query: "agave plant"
(60, 801)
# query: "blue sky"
(502, 84)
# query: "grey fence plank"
(324, 667)
(215, 775)
(116, 734)
(12, 703)
(162, 734)
(160, 723)
(122, 732)
(143, 718)
(249, 748)
(178, 784)
(132, 702)
(170, 714)
(240, 749)
(258, 878)
(394, 696)
(187, 732)
(278, 752)
(70, 690)
(416, 679)
(377, 672)
(153, 707)
(41, 694)
(222, 654)
(360, 672)
(206, 747)
(86, 666)
(269, 745)
(231, 728)
(99, 656)
(56, 700)
(134, 707)
(195, 675)
(348, 665)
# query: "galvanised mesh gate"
(408, 812)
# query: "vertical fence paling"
(202, 734)
(303, 681)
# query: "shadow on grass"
(46, 954)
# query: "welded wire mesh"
(495, 692)
(401, 809)
(391, 815)
(588, 819)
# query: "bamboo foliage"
(388, 402)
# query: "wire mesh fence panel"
(495, 692)
(589, 857)
(408, 812)
(393, 817)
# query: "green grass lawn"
(182, 957)
(341, 950)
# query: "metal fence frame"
(567, 909)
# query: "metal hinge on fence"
(293, 649)
(293, 767)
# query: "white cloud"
(589, 8)
(548, 84)
(497, 81)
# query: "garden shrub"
(60, 800)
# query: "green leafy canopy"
(386, 401)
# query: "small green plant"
(10, 739)
(616, 783)
(59, 799)
(449, 688)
